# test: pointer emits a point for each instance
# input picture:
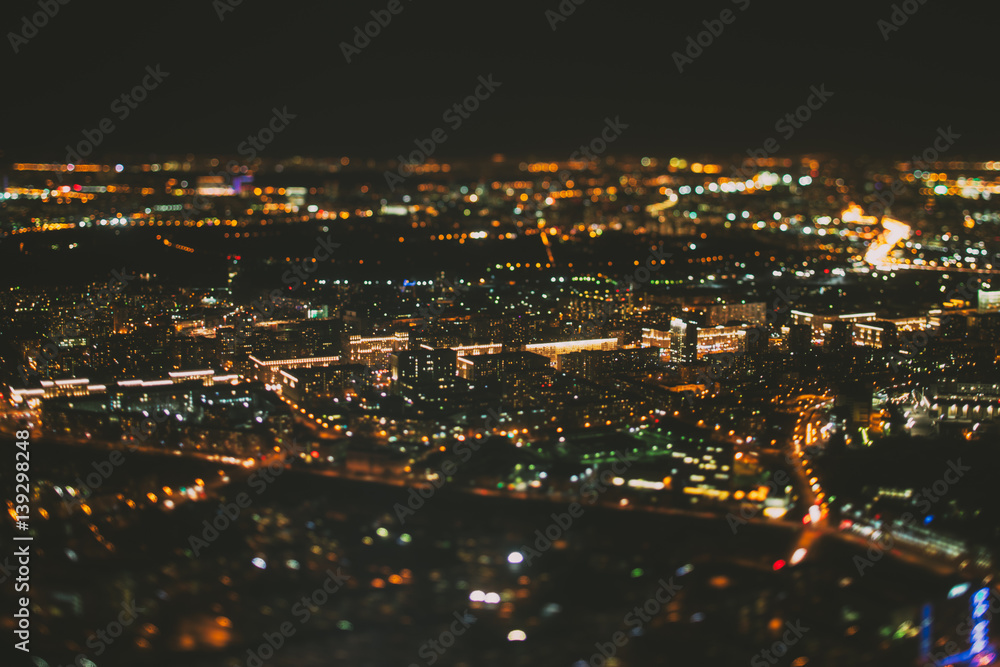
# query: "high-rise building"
(424, 368)
(683, 341)
(594, 364)
(799, 338)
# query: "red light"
(778, 564)
(238, 258)
(806, 519)
(315, 454)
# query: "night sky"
(607, 59)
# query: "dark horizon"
(224, 77)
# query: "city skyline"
(559, 333)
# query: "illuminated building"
(484, 367)
(594, 364)
(911, 323)
(374, 351)
(237, 344)
(657, 338)
(989, 302)
(721, 314)
(683, 341)
(878, 334)
(720, 339)
(322, 382)
(965, 402)
(267, 370)
(799, 338)
(553, 350)
(511, 375)
(318, 312)
(473, 350)
(78, 387)
(840, 336)
(424, 368)
(700, 464)
(758, 341)
(825, 322)
(182, 410)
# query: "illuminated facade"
(721, 339)
(424, 368)
(683, 341)
(965, 402)
(825, 322)
(880, 335)
(553, 350)
(267, 371)
(78, 387)
(718, 315)
(656, 338)
(374, 351)
(321, 382)
(989, 302)
(594, 364)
